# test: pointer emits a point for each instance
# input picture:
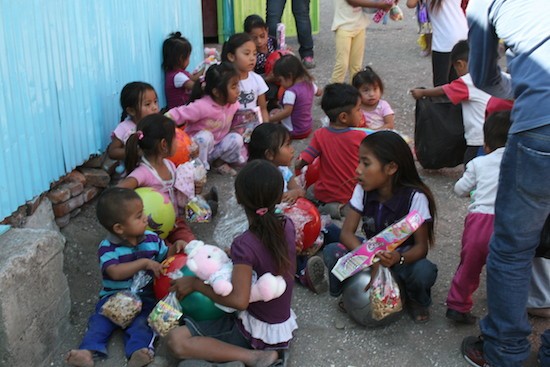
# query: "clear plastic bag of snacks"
(385, 295)
(197, 210)
(123, 307)
(166, 315)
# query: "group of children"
(365, 176)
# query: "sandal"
(341, 306)
(226, 170)
(420, 314)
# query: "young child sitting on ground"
(388, 188)
(474, 101)
(482, 176)
(127, 249)
(337, 147)
(272, 142)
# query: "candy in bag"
(197, 210)
(385, 295)
(166, 315)
(123, 307)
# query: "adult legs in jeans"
(300, 9)
(522, 205)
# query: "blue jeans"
(300, 10)
(521, 207)
(417, 278)
(137, 335)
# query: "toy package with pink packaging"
(387, 240)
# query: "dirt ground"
(326, 337)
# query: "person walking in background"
(523, 198)
(448, 27)
(349, 26)
(300, 10)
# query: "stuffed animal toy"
(212, 265)
(211, 56)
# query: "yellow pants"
(350, 48)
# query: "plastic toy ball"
(162, 283)
(197, 306)
(182, 153)
(312, 172)
(357, 300)
(309, 230)
(159, 210)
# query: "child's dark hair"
(338, 98)
(254, 21)
(149, 133)
(111, 206)
(387, 147)
(217, 77)
(367, 76)
(266, 138)
(131, 96)
(175, 49)
(258, 188)
(290, 67)
(460, 51)
(233, 43)
(495, 129)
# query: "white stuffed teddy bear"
(211, 264)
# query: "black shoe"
(461, 317)
(213, 207)
(472, 351)
(211, 195)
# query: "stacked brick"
(79, 187)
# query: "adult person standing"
(448, 27)
(300, 10)
(523, 199)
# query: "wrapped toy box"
(387, 240)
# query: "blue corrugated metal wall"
(63, 64)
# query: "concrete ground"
(326, 336)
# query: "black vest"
(378, 216)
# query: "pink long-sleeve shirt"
(205, 114)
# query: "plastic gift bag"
(167, 312)
(385, 295)
(123, 307)
(197, 210)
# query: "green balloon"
(197, 306)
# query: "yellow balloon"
(160, 213)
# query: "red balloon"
(306, 233)
(312, 172)
(182, 152)
(162, 283)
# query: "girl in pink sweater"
(207, 118)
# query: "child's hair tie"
(261, 212)
(139, 134)
(201, 81)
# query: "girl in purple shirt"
(251, 335)
(298, 98)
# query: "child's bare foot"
(80, 358)
(264, 358)
(141, 357)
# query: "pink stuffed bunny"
(211, 264)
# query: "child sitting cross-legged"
(127, 249)
(337, 147)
